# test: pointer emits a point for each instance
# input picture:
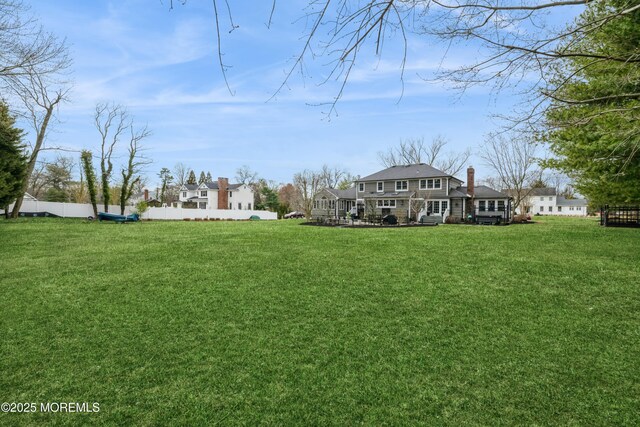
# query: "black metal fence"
(620, 216)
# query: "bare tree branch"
(111, 121)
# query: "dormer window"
(184, 194)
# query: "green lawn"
(245, 323)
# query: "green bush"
(141, 207)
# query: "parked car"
(294, 214)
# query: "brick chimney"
(223, 194)
(146, 195)
(471, 186)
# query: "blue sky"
(162, 64)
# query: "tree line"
(34, 69)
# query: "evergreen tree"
(269, 200)
(192, 178)
(165, 178)
(13, 163)
(209, 178)
(202, 178)
(593, 121)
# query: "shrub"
(141, 207)
(521, 218)
(453, 220)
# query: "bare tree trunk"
(34, 154)
(134, 165)
(105, 116)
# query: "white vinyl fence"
(80, 210)
(66, 210)
(181, 213)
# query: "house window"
(402, 185)
(444, 205)
(542, 199)
(239, 205)
(430, 184)
(551, 199)
(230, 193)
(579, 208)
(550, 208)
(203, 194)
(436, 206)
(202, 205)
(541, 208)
(361, 187)
(559, 208)
(385, 203)
(482, 206)
(249, 206)
(492, 205)
(501, 205)
(230, 206)
(380, 187)
(184, 194)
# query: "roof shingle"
(420, 170)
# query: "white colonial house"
(216, 195)
(546, 201)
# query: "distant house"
(413, 191)
(546, 201)
(145, 196)
(216, 195)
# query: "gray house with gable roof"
(412, 192)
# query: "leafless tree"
(332, 176)
(111, 121)
(40, 96)
(244, 175)
(559, 181)
(308, 183)
(26, 49)
(135, 164)
(37, 182)
(348, 181)
(514, 162)
(180, 174)
(415, 150)
(289, 195)
(517, 42)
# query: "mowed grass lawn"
(245, 323)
